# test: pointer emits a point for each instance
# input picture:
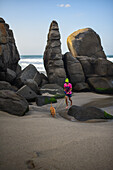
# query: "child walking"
(68, 91)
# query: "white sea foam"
(110, 59)
(36, 61)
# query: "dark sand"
(38, 141)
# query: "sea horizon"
(37, 61)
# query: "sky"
(30, 21)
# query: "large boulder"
(30, 72)
(81, 87)
(86, 113)
(96, 67)
(9, 55)
(37, 78)
(44, 79)
(5, 85)
(73, 69)
(10, 75)
(85, 42)
(33, 85)
(13, 103)
(27, 93)
(101, 84)
(53, 58)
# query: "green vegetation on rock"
(51, 100)
(108, 116)
(105, 90)
(58, 96)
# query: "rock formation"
(85, 46)
(85, 42)
(27, 93)
(73, 69)
(30, 72)
(53, 58)
(13, 103)
(86, 113)
(9, 55)
(96, 67)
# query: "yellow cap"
(67, 80)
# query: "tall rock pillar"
(9, 55)
(53, 58)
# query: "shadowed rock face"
(13, 103)
(85, 42)
(73, 69)
(52, 56)
(9, 55)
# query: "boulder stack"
(53, 57)
(9, 55)
(85, 47)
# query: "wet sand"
(38, 141)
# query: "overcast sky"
(30, 21)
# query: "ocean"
(37, 61)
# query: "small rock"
(30, 164)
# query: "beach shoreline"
(39, 141)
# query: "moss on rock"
(104, 90)
(107, 115)
(50, 100)
(58, 96)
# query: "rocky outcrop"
(5, 85)
(13, 103)
(44, 80)
(101, 84)
(30, 72)
(27, 93)
(81, 87)
(33, 85)
(75, 72)
(96, 67)
(85, 42)
(86, 113)
(73, 69)
(9, 55)
(85, 47)
(53, 57)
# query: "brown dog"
(52, 111)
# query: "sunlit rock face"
(85, 42)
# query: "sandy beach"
(38, 141)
